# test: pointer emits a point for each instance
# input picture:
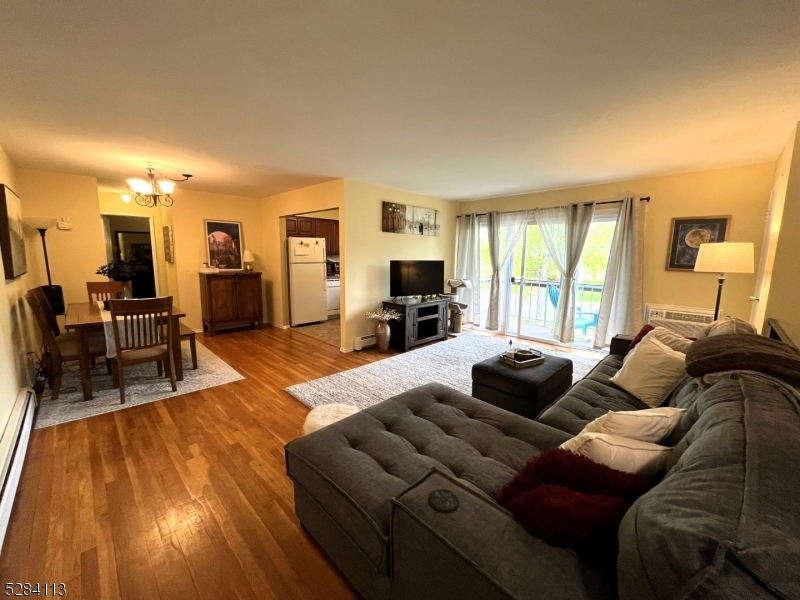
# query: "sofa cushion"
(723, 523)
(591, 397)
(725, 326)
(353, 468)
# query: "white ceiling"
(453, 98)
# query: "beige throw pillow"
(724, 326)
(650, 425)
(651, 371)
(620, 453)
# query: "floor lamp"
(724, 257)
(54, 293)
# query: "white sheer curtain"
(622, 304)
(564, 230)
(468, 243)
(505, 230)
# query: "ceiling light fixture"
(151, 192)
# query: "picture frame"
(12, 234)
(412, 220)
(224, 243)
(686, 235)
(169, 244)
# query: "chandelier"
(151, 192)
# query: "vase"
(382, 335)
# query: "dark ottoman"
(527, 391)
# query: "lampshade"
(166, 186)
(248, 257)
(39, 222)
(725, 257)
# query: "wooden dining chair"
(60, 348)
(142, 333)
(104, 290)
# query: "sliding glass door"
(531, 282)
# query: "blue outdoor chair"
(583, 320)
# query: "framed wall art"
(688, 233)
(224, 244)
(169, 244)
(12, 236)
(413, 220)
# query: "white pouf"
(322, 416)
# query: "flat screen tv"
(416, 277)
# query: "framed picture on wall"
(224, 244)
(12, 237)
(413, 220)
(687, 235)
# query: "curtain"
(564, 230)
(468, 234)
(504, 232)
(622, 304)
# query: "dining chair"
(142, 334)
(104, 290)
(60, 348)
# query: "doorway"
(131, 239)
(531, 283)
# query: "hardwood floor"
(183, 498)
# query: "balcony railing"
(537, 309)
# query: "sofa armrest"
(620, 344)
(480, 551)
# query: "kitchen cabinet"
(229, 299)
(301, 227)
(320, 228)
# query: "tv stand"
(421, 321)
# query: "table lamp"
(724, 257)
(248, 259)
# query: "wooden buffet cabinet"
(319, 228)
(231, 298)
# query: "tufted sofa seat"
(352, 470)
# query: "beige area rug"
(327, 332)
(141, 386)
(447, 362)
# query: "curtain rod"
(642, 199)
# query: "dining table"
(85, 318)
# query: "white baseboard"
(279, 326)
(13, 447)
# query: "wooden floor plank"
(182, 499)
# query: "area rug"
(447, 362)
(141, 386)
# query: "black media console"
(421, 321)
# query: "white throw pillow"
(668, 338)
(650, 425)
(620, 453)
(651, 371)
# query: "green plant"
(121, 270)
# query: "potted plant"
(382, 331)
(123, 271)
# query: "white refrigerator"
(308, 285)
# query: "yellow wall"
(314, 198)
(742, 192)
(785, 286)
(369, 250)
(18, 331)
(74, 255)
(188, 214)
(323, 214)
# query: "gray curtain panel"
(504, 231)
(564, 230)
(468, 242)
(622, 303)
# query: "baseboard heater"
(13, 446)
(364, 341)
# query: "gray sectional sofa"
(724, 523)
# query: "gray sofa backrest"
(724, 523)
